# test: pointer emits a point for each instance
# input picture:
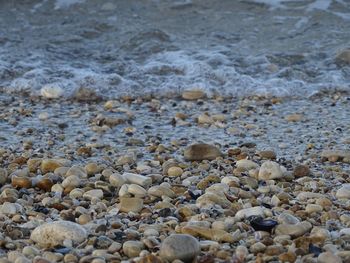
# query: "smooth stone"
(267, 154)
(286, 218)
(51, 91)
(312, 208)
(295, 230)
(136, 190)
(92, 169)
(194, 94)
(77, 171)
(159, 191)
(179, 246)
(328, 257)
(205, 119)
(130, 204)
(141, 180)
(343, 192)
(304, 196)
(71, 181)
(246, 165)
(335, 155)
(251, 211)
(50, 165)
(270, 170)
(210, 199)
(132, 248)
(95, 193)
(175, 171)
(257, 248)
(8, 208)
(117, 180)
(202, 151)
(301, 171)
(55, 233)
(343, 57)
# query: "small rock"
(246, 165)
(92, 194)
(3, 176)
(251, 211)
(304, 196)
(301, 171)
(270, 170)
(49, 165)
(141, 180)
(55, 233)
(202, 151)
(343, 57)
(179, 246)
(343, 192)
(313, 208)
(130, 204)
(175, 171)
(211, 234)
(8, 208)
(117, 180)
(271, 155)
(51, 91)
(209, 199)
(294, 231)
(194, 94)
(328, 257)
(294, 117)
(160, 190)
(132, 248)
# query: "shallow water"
(135, 47)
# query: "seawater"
(228, 47)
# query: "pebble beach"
(179, 178)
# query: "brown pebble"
(21, 182)
(45, 184)
(301, 171)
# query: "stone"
(49, 165)
(343, 57)
(285, 218)
(55, 233)
(92, 169)
(251, 211)
(343, 192)
(270, 170)
(288, 257)
(295, 230)
(313, 208)
(117, 180)
(267, 154)
(257, 248)
(160, 190)
(71, 181)
(327, 257)
(33, 164)
(141, 180)
(209, 199)
(246, 165)
(92, 194)
(194, 94)
(77, 171)
(21, 182)
(335, 155)
(137, 191)
(179, 246)
(175, 171)
(205, 119)
(132, 248)
(301, 171)
(294, 117)
(51, 91)
(8, 208)
(202, 151)
(132, 204)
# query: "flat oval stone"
(201, 151)
(179, 246)
(55, 233)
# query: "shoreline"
(71, 161)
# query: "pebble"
(160, 190)
(132, 204)
(137, 191)
(141, 180)
(194, 94)
(270, 170)
(343, 192)
(117, 180)
(209, 199)
(301, 171)
(55, 233)
(295, 230)
(211, 234)
(313, 208)
(246, 165)
(251, 211)
(51, 91)
(327, 257)
(179, 246)
(93, 194)
(202, 151)
(3, 176)
(49, 165)
(175, 171)
(343, 57)
(132, 248)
